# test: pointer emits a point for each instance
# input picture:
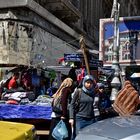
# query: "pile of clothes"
(18, 97)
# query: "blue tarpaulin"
(25, 112)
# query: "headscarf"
(100, 85)
(66, 83)
(87, 78)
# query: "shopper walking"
(65, 90)
(81, 108)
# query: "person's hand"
(63, 118)
(71, 121)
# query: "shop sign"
(95, 63)
(73, 57)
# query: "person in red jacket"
(13, 82)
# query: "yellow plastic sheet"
(16, 131)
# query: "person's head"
(66, 83)
(72, 74)
(63, 77)
(88, 82)
(74, 85)
(101, 87)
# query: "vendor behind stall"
(13, 82)
(26, 80)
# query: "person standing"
(104, 102)
(65, 90)
(82, 115)
(13, 82)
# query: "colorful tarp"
(16, 131)
(25, 111)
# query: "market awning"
(62, 69)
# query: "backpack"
(76, 107)
(56, 104)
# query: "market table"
(25, 112)
(39, 116)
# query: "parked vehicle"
(116, 128)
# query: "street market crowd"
(75, 103)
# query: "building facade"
(38, 32)
(129, 36)
(31, 35)
(41, 31)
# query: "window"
(109, 57)
(126, 56)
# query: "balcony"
(65, 10)
(109, 3)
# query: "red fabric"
(81, 75)
(27, 80)
(12, 102)
(12, 84)
(60, 60)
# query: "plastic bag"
(60, 131)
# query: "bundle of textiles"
(127, 100)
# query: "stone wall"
(27, 40)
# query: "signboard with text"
(79, 58)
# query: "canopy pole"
(84, 51)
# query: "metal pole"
(115, 63)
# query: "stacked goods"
(127, 100)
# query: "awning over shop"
(62, 69)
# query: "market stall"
(25, 112)
(27, 105)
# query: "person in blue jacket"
(104, 102)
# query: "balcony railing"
(64, 9)
(76, 3)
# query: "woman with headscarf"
(83, 113)
(65, 90)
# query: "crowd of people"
(78, 101)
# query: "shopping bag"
(60, 131)
(72, 133)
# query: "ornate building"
(129, 35)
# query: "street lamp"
(115, 63)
